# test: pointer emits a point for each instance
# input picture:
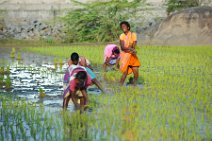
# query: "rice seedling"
(41, 93)
(7, 71)
(8, 84)
(174, 104)
(55, 63)
(12, 53)
(2, 70)
(19, 57)
(60, 62)
(25, 124)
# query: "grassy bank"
(42, 43)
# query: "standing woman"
(129, 62)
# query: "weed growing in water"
(42, 93)
(19, 57)
(8, 84)
(12, 53)
(2, 70)
(7, 70)
(1, 80)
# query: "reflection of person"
(129, 61)
(111, 56)
(82, 61)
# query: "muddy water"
(35, 72)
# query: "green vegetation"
(99, 20)
(8, 83)
(7, 70)
(19, 57)
(42, 93)
(58, 62)
(1, 80)
(21, 120)
(175, 103)
(175, 5)
(25, 43)
(94, 53)
(5, 81)
(12, 53)
(2, 70)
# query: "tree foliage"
(99, 20)
(175, 5)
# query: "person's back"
(111, 56)
(83, 62)
(108, 51)
(77, 80)
(70, 72)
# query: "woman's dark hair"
(116, 50)
(74, 57)
(125, 23)
(81, 76)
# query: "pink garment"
(108, 51)
(88, 81)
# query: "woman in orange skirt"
(129, 62)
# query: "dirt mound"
(192, 26)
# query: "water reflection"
(34, 72)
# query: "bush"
(175, 5)
(99, 21)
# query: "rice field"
(175, 102)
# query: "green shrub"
(99, 21)
(175, 5)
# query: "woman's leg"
(65, 102)
(85, 97)
(82, 101)
(136, 74)
(123, 77)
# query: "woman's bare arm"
(128, 50)
(134, 44)
(107, 61)
(117, 62)
(124, 48)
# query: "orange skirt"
(127, 61)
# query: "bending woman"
(129, 62)
(111, 56)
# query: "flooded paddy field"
(32, 73)
(174, 101)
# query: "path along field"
(174, 104)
